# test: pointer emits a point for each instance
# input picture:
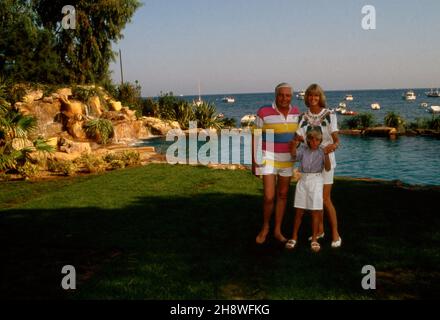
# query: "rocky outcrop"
(158, 126)
(115, 105)
(75, 127)
(32, 96)
(70, 108)
(61, 120)
(129, 130)
(69, 146)
(95, 108)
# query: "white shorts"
(309, 191)
(268, 170)
(328, 176)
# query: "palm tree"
(206, 116)
(14, 130)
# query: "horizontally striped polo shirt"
(277, 153)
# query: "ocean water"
(389, 100)
(413, 160)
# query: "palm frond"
(41, 145)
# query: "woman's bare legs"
(330, 211)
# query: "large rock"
(67, 92)
(75, 128)
(20, 143)
(69, 146)
(95, 109)
(129, 114)
(115, 105)
(129, 130)
(113, 116)
(71, 108)
(46, 115)
(62, 156)
(52, 129)
(32, 96)
(158, 126)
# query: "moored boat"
(409, 95)
(248, 120)
(433, 93)
(228, 99)
(434, 109)
(375, 106)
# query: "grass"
(181, 232)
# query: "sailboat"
(199, 101)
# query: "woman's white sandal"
(337, 243)
(319, 236)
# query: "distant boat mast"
(120, 62)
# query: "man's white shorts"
(268, 170)
(309, 191)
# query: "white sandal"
(315, 246)
(319, 236)
(337, 243)
(290, 244)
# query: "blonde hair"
(315, 89)
(314, 132)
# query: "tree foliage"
(35, 47)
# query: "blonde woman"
(319, 115)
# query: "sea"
(410, 159)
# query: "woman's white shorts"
(309, 191)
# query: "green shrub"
(4, 177)
(67, 167)
(28, 170)
(228, 122)
(434, 123)
(131, 158)
(394, 120)
(167, 104)
(206, 116)
(149, 107)
(117, 164)
(84, 94)
(184, 113)
(418, 124)
(360, 121)
(15, 93)
(130, 94)
(92, 163)
(99, 129)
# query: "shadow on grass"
(202, 247)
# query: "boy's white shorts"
(309, 191)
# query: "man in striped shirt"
(277, 165)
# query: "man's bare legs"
(269, 184)
(280, 209)
(271, 187)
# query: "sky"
(247, 46)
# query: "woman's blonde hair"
(315, 89)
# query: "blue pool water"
(414, 160)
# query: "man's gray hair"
(282, 85)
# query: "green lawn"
(181, 232)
